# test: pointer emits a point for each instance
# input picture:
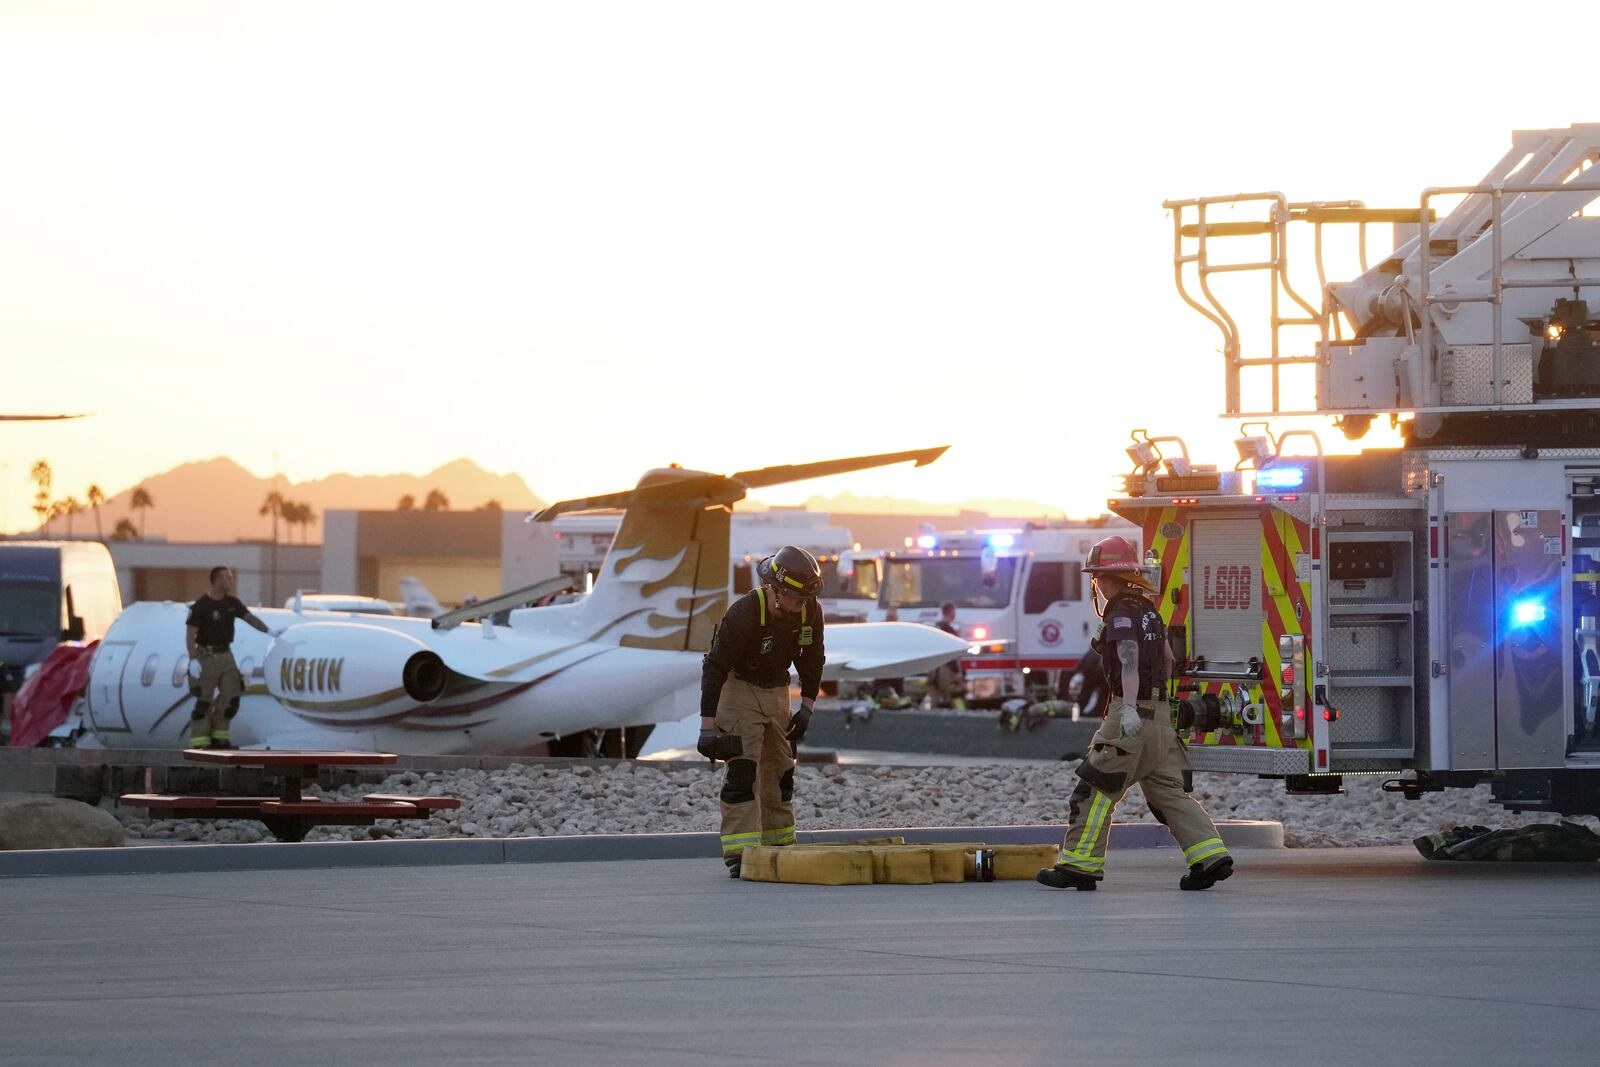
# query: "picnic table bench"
(291, 814)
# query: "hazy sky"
(574, 240)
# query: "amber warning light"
(1189, 483)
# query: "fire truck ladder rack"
(1201, 232)
(1428, 327)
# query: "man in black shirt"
(1137, 743)
(744, 699)
(214, 678)
(947, 686)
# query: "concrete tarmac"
(1305, 957)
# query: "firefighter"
(947, 686)
(744, 699)
(1137, 742)
(214, 678)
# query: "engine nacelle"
(352, 674)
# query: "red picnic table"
(290, 814)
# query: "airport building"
(178, 570)
(457, 554)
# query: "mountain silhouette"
(218, 500)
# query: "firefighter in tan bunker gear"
(1137, 743)
(744, 699)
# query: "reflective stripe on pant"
(1154, 760)
(760, 718)
(219, 689)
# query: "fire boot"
(733, 863)
(1059, 877)
(1200, 877)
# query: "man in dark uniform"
(1137, 742)
(947, 686)
(214, 678)
(744, 699)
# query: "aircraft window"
(147, 678)
(180, 672)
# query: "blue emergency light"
(1280, 478)
(1527, 612)
(1001, 540)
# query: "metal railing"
(1498, 283)
(1281, 212)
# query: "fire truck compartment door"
(1225, 575)
(1508, 671)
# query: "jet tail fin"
(664, 583)
(419, 603)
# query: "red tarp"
(44, 700)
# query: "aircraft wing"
(887, 649)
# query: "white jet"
(627, 655)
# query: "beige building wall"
(450, 579)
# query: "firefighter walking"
(744, 699)
(1137, 743)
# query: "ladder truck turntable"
(1429, 612)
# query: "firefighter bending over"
(1137, 742)
(744, 699)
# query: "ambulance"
(1021, 599)
(1430, 612)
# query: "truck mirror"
(846, 569)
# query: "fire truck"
(1021, 599)
(1428, 612)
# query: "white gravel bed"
(545, 800)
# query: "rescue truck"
(1021, 599)
(1428, 612)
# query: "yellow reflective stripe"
(761, 599)
(203, 741)
(1212, 846)
(791, 581)
(1094, 825)
(1087, 866)
(782, 836)
(738, 842)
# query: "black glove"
(707, 745)
(798, 723)
(714, 746)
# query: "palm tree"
(97, 497)
(436, 501)
(58, 508)
(125, 531)
(407, 503)
(142, 502)
(308, 518)
(273, 505)
(70, 507)
(490, 505)
(41, 476)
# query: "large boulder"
(33, 820)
